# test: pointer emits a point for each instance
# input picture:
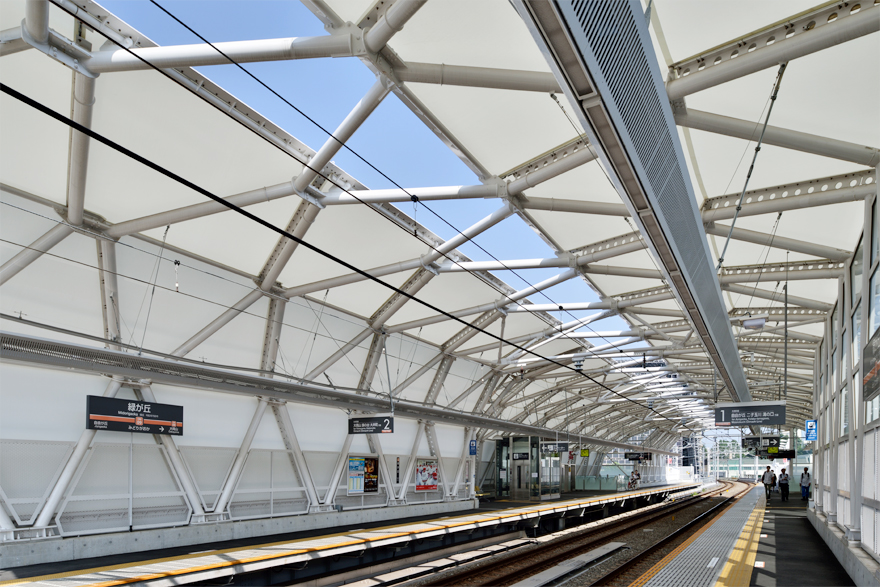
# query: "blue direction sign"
(812, 431)
(473, 448)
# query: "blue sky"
(392, 139)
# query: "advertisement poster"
(371, 475)
(426, 475)
(356, 466)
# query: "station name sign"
(122, 415)
(554, 447)
(637, 456)
(373, 425)
(776, 453)
(750, 414)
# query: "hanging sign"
(750, 414)
(776, 453)
(122, 415)
(637, 456)
(427, 473)
(585, 452)
(472, 448)
(812, 430)
(373, 425)
(554, 447)
(871, 368)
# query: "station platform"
(345, 549)
(752, 543)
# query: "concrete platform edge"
(859, 565)
(33, 552)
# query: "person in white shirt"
(767, 480)
(805, 484)
(783, 485)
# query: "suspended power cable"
(175, 177)
(754, 158)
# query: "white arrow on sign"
(161, 429)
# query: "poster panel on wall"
(356, 480)
(371, 475)
(427, 473)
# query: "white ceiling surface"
(830, 93)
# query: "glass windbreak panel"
(855, 272)
(844, 357)
(875, 232)
(834, 378)
(835, 326)
(844, 412)
(856, 398)
(834, 411)
(534, 469)
(874, 310)
(857, 335)
(872, 410)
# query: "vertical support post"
(338, 470)
(282, 416)
(434, 447)
(109, 290)
(177, 462)
(411, 463)
(240, 458)
(82, 445)
(834, 449)
(465, 455)
(272, 336)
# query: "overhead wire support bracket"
(752, 166)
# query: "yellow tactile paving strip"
(738, 570)
(310, 546)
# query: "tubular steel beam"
(177, 56)
(31, 253)
(391, 23)
(500, 303)
(343, 133)
(778, 242)
(78, 162)
(780, 137)
(477, 77)
(769, 295)
(109, 290)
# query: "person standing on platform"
(767, 480)
(783, 485)
(805, 484)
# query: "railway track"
(507, 571)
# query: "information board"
(472, 448)
(871, 368)
(427, 473)
(750, 414)
(122, 415)
(811, 432)
(520, 456)
(775, 453)
(637, 456)
(372, 425)
(585, 452)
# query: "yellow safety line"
(228, 563)
(738, 570)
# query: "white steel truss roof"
(470, 72)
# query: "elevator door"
(519, 486)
